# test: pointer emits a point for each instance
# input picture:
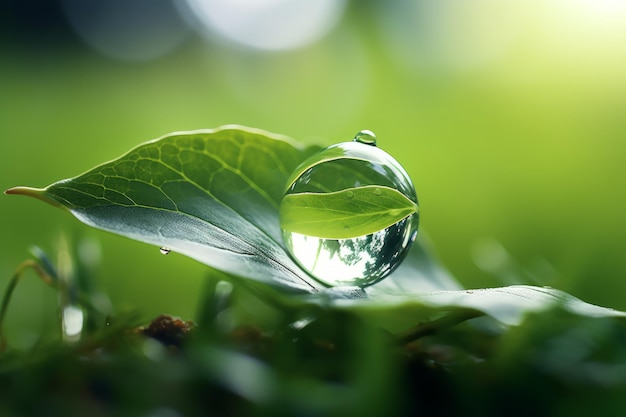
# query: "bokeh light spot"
(127, 30)
(268, 24)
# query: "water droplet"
(164, 250)
(360, 260)
(366, 137)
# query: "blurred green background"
(509, 117)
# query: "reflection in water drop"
(165, 250)
(359, 260)
(366, 136)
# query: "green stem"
(8, 293)
(432, 327)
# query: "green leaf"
(212, 195)
(345, 214)
(508, 305)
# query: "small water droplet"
(377, 191)
(350, 194)
(366, 137)
(164, 250)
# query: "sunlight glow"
(599, 15)
(601, 6)
(588, 32)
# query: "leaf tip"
(38, 193)
(30, 191)
(23, 191)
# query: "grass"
(313, 363)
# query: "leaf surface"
(396, 309)
(509, 305)
(212, 195)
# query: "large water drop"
(356, 185)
